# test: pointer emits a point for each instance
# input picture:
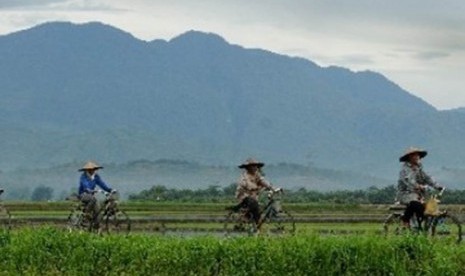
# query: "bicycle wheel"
(78, 220)
(116, 223)
(238, 223)
(5, 218)
(279, 223)
(445, 225)
(392, 224)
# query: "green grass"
(51, 251)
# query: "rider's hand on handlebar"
(92, 192)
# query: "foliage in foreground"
(52, 251)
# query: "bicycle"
(5, 216)
(272, 215)
(109, 219)
(434, 223)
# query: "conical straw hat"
(251, 162)
(411, 150)
(90, 166)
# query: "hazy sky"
(419, 44)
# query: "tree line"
(215, 193)
(371, 195)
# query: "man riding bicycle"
(88, 181)
(250, 183)
(411, 184)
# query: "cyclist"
(250, 183)
(87, 182)
(411, 184)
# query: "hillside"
(90, 91)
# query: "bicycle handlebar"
(113, 191)
(426, 188)
(274, 191)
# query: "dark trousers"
(91, 206)
(252, 206)
(414, 207)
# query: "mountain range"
(73, 92)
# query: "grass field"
(326, 242)
(50, 251)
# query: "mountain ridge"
(200, 98)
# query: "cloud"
(56, 5)
(355, 59)
(26, 4)
(84, 5)
(430, 55)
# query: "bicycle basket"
(432, 206)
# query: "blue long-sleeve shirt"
(87, 184)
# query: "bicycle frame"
(81, 217)
(432, 220)
(110, 204)
(273, 206)
(114, 220)
(278, 221)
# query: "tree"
(155, 193)
(230, 190)
(42, 193)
